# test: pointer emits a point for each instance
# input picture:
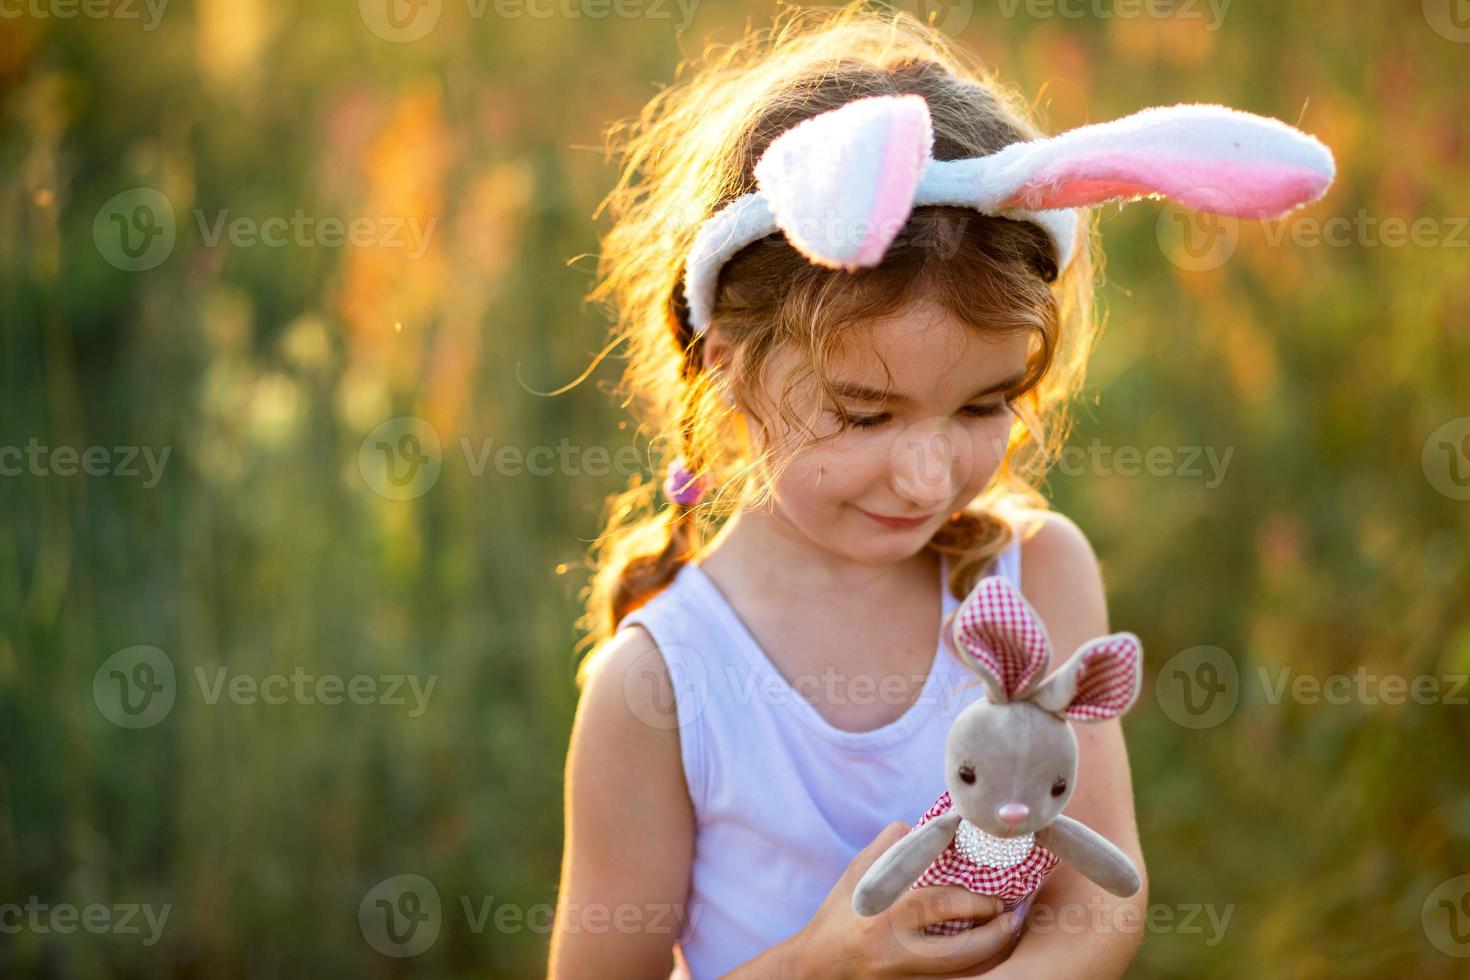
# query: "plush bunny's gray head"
(1011, 759)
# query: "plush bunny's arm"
(1092, 854)
(900, 866)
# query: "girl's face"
(919, 446)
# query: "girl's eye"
(868, 421)
(1059, 787)
(985, 411)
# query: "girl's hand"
(839, 943)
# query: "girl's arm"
(629, 821)
(1074, 927)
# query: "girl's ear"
(1206, 157)
(1100, 681)
(716, 350)
(1002, 639)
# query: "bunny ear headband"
(841, 184)
(1001, 637)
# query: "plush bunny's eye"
(1059, 787)
(967, 774)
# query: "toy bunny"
(1010, 763)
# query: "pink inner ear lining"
(1246, 190)
(1108, 680)
(904, 155)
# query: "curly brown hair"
(691, 150)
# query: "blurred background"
(291, 546)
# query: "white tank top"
(783, 800)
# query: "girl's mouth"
(896, 523)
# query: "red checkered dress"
(1011, 885)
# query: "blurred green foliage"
(1327, 543)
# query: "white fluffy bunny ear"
(1205, 157)
(1100, 681)
(841, 184)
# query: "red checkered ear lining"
(1107, 679)
(999, 631)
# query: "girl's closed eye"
(869, 421)
(878, 419)
(988, 410)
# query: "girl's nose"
(930, 462)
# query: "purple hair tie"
(683, 486)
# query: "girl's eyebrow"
(862, 393)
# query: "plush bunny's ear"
(1205, 157)
(841, 184)
(1002, 638)
(1100, 681)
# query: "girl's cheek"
(989, 438)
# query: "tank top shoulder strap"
(1008, 562)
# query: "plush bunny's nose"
(1014, 813)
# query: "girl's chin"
(883, 545)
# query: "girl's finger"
(925, 906)
(952, 955)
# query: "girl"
(766, 705)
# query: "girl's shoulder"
(1049, 536)
(1061, 577)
